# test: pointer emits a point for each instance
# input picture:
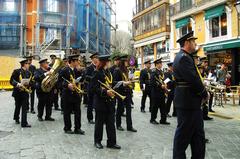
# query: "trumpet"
(24, 89)
(115, 92)
(162, 83)
(77, 89)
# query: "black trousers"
(205, 110)
(90, 106)
(32, 97)
(44, 101)
(69, 107)
(146, 93)
(85, 99)
(158, 103)
(107, 118)
(120, 109)
(54, 98)
(21, 102)
(190, 130)
(210, 102)
(169, 102)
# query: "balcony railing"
(178, 7)
(141, 7)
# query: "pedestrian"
(20, 80)
(104, 102)
(189, 95)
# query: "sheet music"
(167, 80)
(25, 81)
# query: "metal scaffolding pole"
(21, 32)
(37, 31)
(87, 26)
(104, 23)
(97, 29)
(68, 29)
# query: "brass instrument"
(50, 80)
(75, 87)
(24, 89)
(109, 88)
(159, 81)
(127, 80)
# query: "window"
(9, 6)
(218, 26)
(52, 6)
(185, 29)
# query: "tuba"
(50, 80)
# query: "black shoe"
(164, 123)
(114, 146)
(120, 128)
(98, 145)
(49, 119)
(17, 122)
(68, 131)
(207, 141)
(211, 111)
(40, 119)
(124, 115)
(143, 111)
(57, 109)
(132, 130)
(26, 126)
(174, 115)
(91, 122)
(33, 112)
(79, 131)
(207, 118)
(169, 116)
(154, 122)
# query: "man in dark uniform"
(158, 94)
(116, 61)
(171, 87)
(20, 92)
(32, 69)
(72, 98)
(189, 95)
(55, 91)
(145, 85)
(88, 77)
(44, 98)
(104, 102)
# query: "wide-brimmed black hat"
(29, 57)
(53, 56)
(43, 60)
(124, 57)
(158, 61)
(73, 57)
(94, 55)
(203, 59)
(186, 37)
(147, 61)
(104, 57)
(116, 57)
(23, 60)
(170, 64)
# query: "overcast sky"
(124, 9)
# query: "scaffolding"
(37, 26)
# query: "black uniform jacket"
(15, 79)
(70, 95)
(39, 75)
(145, 76)
(89, 75)
(171, 84)
(118, 76)
(157, 91)
(190, 90)
(101, 100)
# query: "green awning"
(214, 12)
(182, 22)
(222, 45)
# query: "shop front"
(227, 52)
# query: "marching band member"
(145, 85)
(21, 92)
(72, 96)
(124, 85)
(32, 69)
(104, 104)
(44, 98)
(158, 94)
(88, 76)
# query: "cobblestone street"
(46, 140)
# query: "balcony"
(141, 7)
(179, 8)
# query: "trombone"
(24, 89)
(115, 92)
(78, 90)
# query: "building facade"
(216, 24)
(151, 30)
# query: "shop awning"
(214, 12)
(228, 44)
(182, 22)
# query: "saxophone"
(50, 80)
